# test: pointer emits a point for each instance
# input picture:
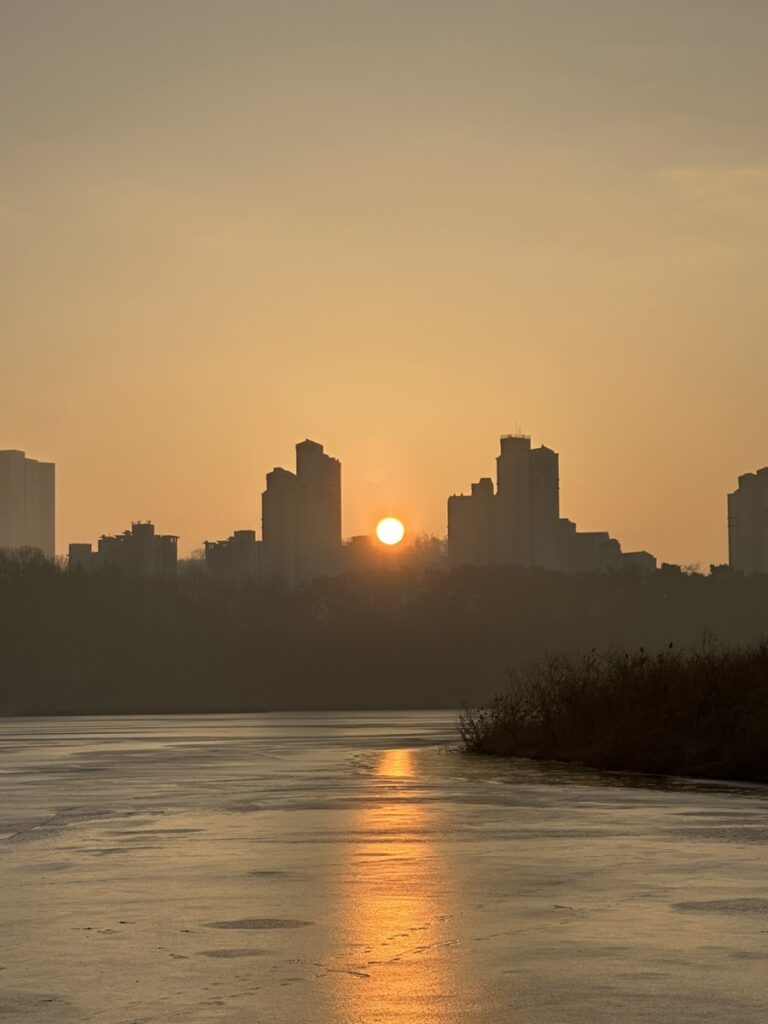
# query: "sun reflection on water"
(395, 930)
(395, 764)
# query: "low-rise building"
(238, 557)
(82, 558)
(642, 561)
(138, 551)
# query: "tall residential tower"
(27, 503)
(301, 519)
(519, 523)
(748, 523)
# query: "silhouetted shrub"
(700, 712)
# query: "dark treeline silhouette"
(74, 642)
(700, 712)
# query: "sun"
(390, 531)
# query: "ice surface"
(350, 869)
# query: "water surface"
(352, 869)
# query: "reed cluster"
(700, 712)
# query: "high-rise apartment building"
(472, 526)
(748, 523)
(545, 508)
(514, 540)
(520, 523)
(319, 511)
(27, 503)
(279, 529)
(301, 519)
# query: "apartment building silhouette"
(139, 551)
(748, 523)
(238, 557)
(519, 522)
(301, 519)
(27, 503)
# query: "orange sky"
(401, 228)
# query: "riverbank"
(701, 713)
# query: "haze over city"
(404, 228)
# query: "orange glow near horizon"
(390, 531)
(402, 267)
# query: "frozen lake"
(349, 869)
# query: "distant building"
(362, 553)
(595, 552)
(520, 523)
(319, 511)
(27, 503)
(235, 558)
(514, 541)
(365, 553)
(279, 527)
(472, 526)
(598, 552)
(639, 560)
(82, 558)
(139, 552)
(748, 524)
(301, 519)
(567, 546)
(545, 508)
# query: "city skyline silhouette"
(370, 495)
(386, 228)
(517, 522)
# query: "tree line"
(105, 642)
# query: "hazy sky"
(398, 227)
